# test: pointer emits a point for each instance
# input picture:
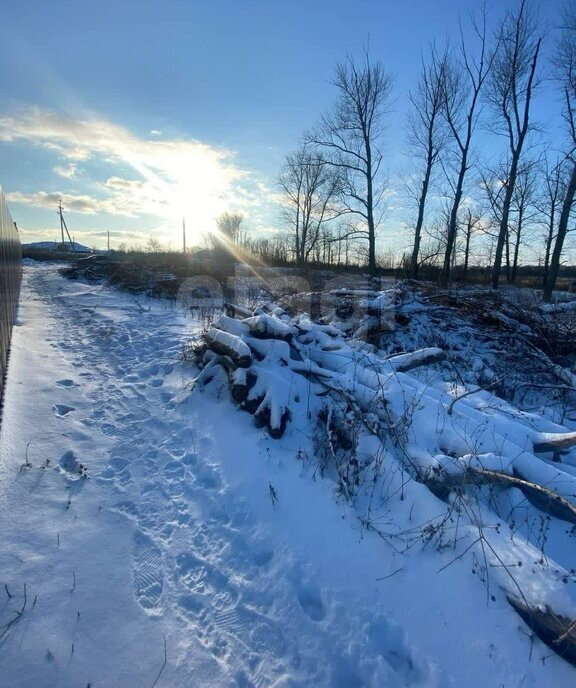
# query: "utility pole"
(61, 222)
(183, 235)
(64, 227)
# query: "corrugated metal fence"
(10, 275)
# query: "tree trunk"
(420, 220)
(508, 256)
(503, 231)
(370, 210)
(561, 236)
(516, 249)
(452, 226)
(467, 248)
(549, 240)
(516, 153)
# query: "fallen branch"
(491, 384)
(19, 612)
(555, 630)
(542, 498)
(163, 665)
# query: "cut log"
(241, 381)
(231, 325)
(555, 630)
(276, 425)
(552, 442)
(235, 311)
(229, 345)
(268, 327)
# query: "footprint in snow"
(262, 556)
(311, 603)
(174, 470)
(190, 459)
(62, 409)
(147, 572)
(66, 383)
(69, 463)
(207, 477)
(127, 508)
(199, 576)
(388, 640)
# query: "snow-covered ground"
(154, 536)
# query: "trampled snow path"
(159, 544)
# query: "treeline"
(466, 209)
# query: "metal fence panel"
(10, 277)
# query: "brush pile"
(408, 428)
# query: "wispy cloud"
(66, 171)
(78, 203)
(169, 177)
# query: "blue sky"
(138, 112)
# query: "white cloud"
(119, 183)
(66, 171)
(170, 177)
(78, 203)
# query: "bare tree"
(510, 92)
(310, 186)
(426, 135)
(464, 79)
(230, 226)
(350, 134)
(566, 72)
(153, 245)
(473, 225)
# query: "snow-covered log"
(236, 311)
(231, 325)
(550, 442)
(268, 326)
(268, 398)
(241, 380)
(402, 363)
(564, 307)
(229, 345)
